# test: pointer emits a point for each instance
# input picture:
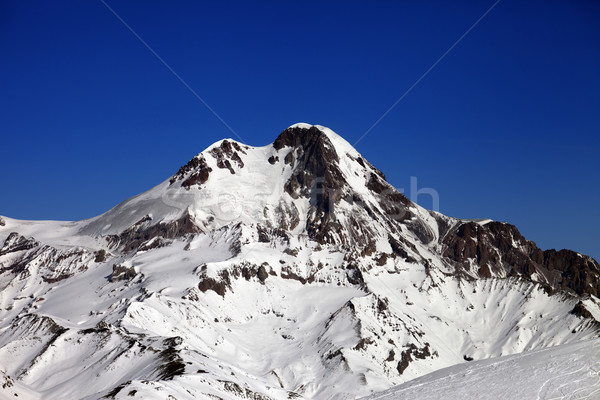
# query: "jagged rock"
(200, 171)
(498, 249)
(172, 364)
(218, 286)
(100, 256)
(15, 242)
(391, 356)
(144, 232)
(580, 311)
(405, 359)
(262, 273)
(122, 273)
(226, 153)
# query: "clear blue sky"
(506, 126)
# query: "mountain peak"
(302, 135)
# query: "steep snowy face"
(292, 270)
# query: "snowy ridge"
(292, 270)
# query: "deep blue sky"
(507, 126)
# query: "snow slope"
(570, 371)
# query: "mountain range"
(293, 270)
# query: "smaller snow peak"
(227, 154)
(228, 146)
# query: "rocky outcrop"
(577, 272)
(498, 249)
(142, 233)
(171, 363)
(121, 272)
(316, 176)
(411, 353)
(226, 154)
(195, 172)
(27, 257)
(15, 242)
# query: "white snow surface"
(570, 371)
(67, 330)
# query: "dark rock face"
(580, 311)
(354, 275)
(262, 274)
(315, 161)
(121, 273)
(199, 176)
(55, 279)
(268, 235)
(413, 351)
(405, 360)
(399, 250)
(226, 153)
(196, 171)
(143, 231)
(391, 357)
(219, 286)
(498, 249)
(154, 243)
(249, 271)
(200, 172)
(2, 223)
(100, 256)
(316, 175)
(171, 362)
(577, 272)
(15, 242)
(394, 203)
(288, 273)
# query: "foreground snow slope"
(292, 270)
(565, 372)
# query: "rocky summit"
(293, 270)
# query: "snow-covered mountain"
(292, 270)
